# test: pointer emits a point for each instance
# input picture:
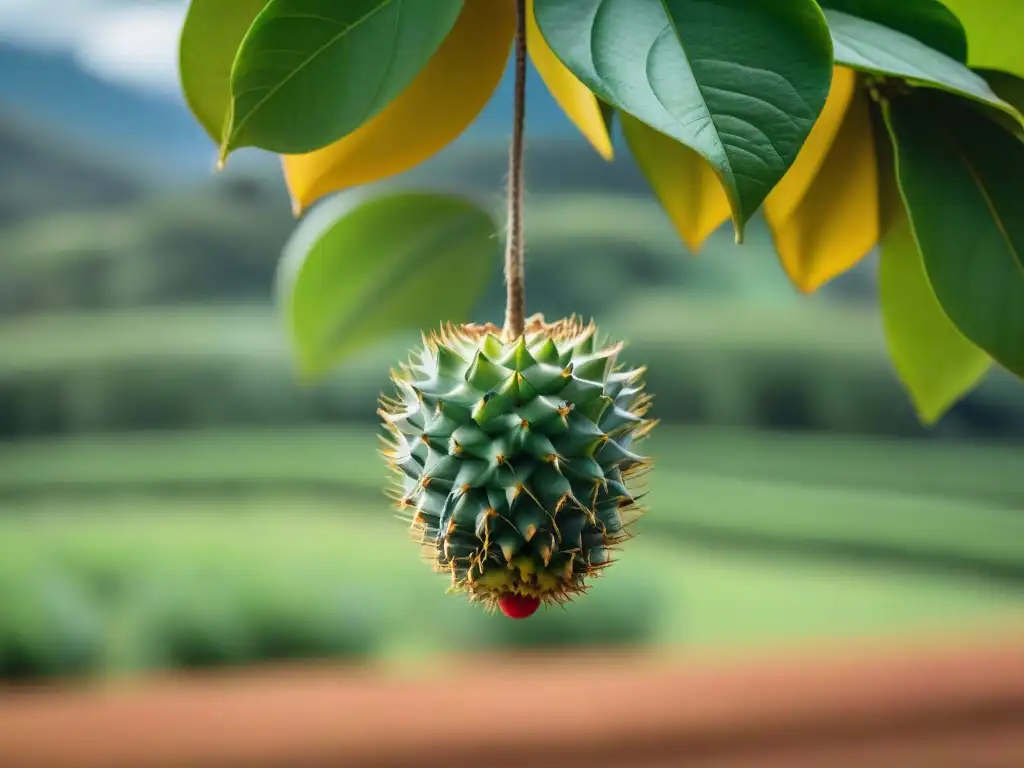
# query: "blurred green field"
(121, 553)
(810, 366)
(171, 496)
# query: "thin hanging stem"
(515, 281)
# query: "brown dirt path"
(925, 704)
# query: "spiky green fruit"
(514, 456)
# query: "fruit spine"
(514, 457)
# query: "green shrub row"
(113, 617)
(740, 384)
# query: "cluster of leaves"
(849, 123)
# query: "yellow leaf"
(575, 99)
(936, 364)
(683, 181)
(430, 114)
(824, 214)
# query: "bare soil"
(935, 704)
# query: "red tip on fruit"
(518, 606)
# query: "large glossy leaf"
(209, 40)
(824, 213)
(431, 113)
(959, 175)
(741, 83)
(1009, 87)
(684, 183)
(311, 71)
(871, 47)
(936, 364)
(993, 33)
(577, 101)
(928, 20)
(890, 202)
(396, 262)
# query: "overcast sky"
(133, 42)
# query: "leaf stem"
(515, 279)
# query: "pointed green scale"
(582, 437)
(441, 423)
(491, 407)
(530, 518)
(539, 410)
(467, 508)
(539, 447)
(504, 424)
(580, 391)
(512, 455)
(544, 545)
(459, 547)
(433, 386)
(484, 374)
(546, 352)
(595, 409)
(439, 465)
(615, 418)
(431, 502)
(463, 396)
(585, 468)
(593, 368)
(558, 425)
(473, 473)
(496, 499)
(550, 484)
(546, 379)
(571, 526)
(517, 389)
(448, 363)
(470, 441)
(482, 524)
(518, 358)
(616, 489)
(493, 346)
(509, 545)
(409, 465)
(612, 453)
(608, 515)
(408, 422)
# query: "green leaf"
(741, 83)
(1010, 89)
(871, 47)
(993, 33)
(395, 262)
(312, 71)
(927, 20)
(959, 175)
(209, 40)
(936, 363)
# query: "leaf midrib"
(997, 218)
(703, 98)
(318, 52)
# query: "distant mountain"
(45, 173)
(50, 87)
(158, 134)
